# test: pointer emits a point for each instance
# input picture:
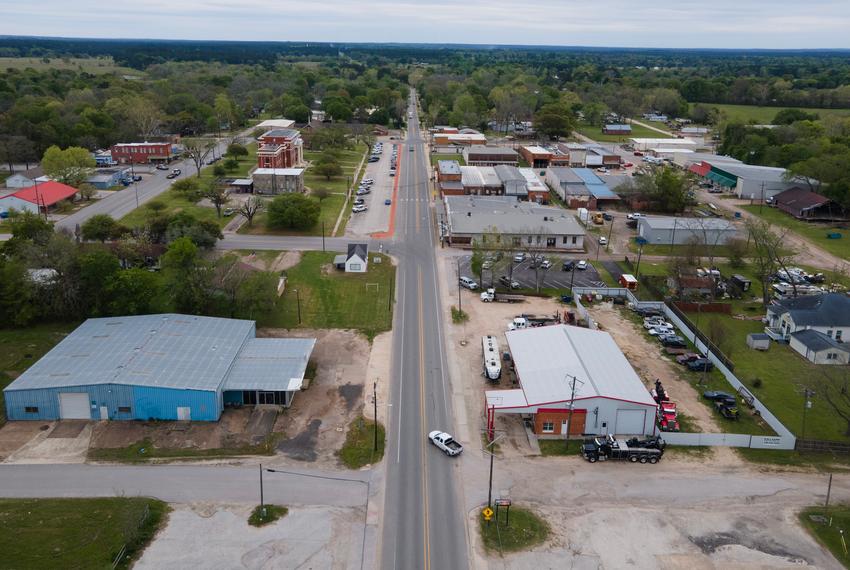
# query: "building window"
(838, 334)
(565, 240)
(829, 334)
(124, 409)
(530, 239)
(575, 240)
(31, 409)
(548, 427)
(832, 356)
(355, 267)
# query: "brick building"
(280, 148)
(143, 152)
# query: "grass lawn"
(93, 65)
(456, 157)
(524, 531)
(174, 202)
(826, 526)
(77, 533)
(595, 132)
(330, 298)
(267, 514)
(557, 447)
(825, 462)
(765, 115)
(143, 451)
(783, 374)
(814, 232)
(359, 447)
(22, 347)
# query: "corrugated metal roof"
(448, 166)
(276, 364)
(505, 214)
(165, 351)
(471, 176)
(545, 358)
(669, 223)
(488, 173)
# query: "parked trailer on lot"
(617, 449)
(492, 362)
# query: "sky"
(767, 24)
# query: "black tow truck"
(607, 448)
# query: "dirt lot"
(313, 429)
(650, 362)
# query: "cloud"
(662, 23)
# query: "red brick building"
(280, 148)
(142, 153)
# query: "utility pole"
(375, 402)
(298, 301)
(459, 306)
(761, 203)
(570, 415)
(262, 503)
(640, 253)
(610, 230)
(673, 237)
(323, 236)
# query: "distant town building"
(277, 180)
(37, 198)
(280, 148)
(143, 152)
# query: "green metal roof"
(722, 179)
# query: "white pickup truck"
(445, 442)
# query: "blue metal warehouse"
(165, 367)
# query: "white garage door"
(74, 407)
(630, 422)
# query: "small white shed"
(357, 259)
(758, 341)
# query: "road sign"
(488, 513)
(503, 502)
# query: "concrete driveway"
(377, 217)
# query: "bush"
(231, 164)
(219, 170)
(459, 316)
(757, 382)
(359, 447)
(273, 513)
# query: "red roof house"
(38, 197)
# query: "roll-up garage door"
(630, 422)
(74, 406)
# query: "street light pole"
(459, 305)
(375, 402)
(298, 301)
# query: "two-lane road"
(423, 523)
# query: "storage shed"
(609, 396)
(160, 367)
(758, 341)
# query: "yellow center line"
(427, 552)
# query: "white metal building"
(609, 396)
(645, 144)
(667, 230)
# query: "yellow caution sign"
(488, 513)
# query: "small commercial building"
(277, 180)
(158, 367)
(513, 223)
(536, 190)
(818, 348)
(668, 230)
(747, 181)
(490, 156)
(617, 129)
(609, 396)
(645, 144)
(106, 178)
(449, 178)
(513, 182)
(37, 198)
(275, 124)
(19, 181)
(804, 204)
(143, 152)
(459, 139)
(597, 156)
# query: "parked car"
(546, 264)
(359, 208)
(701, 364)
(603, 240)
(638, 153)
(687, 357)
(508, 282)
(568, 266)
(228, 212)
(656, 322)
(719, 396)
(634, 216)
(387, 202)
(673, 341)
(607, 217)
(358, 201)
(728, 410)
(581, 265)
(469, 283)
(162, 167)
(137, 178)
(655, 331)
(518, 258)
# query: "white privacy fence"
(784, 439)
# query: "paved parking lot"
(524, 274)
(377, 217)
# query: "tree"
(236, 150)
(328, 168)
(133, 292)
(230, 165)
(250, 207)
(299, 113)
(789, 116)
(96, 269)
(833, 386)
(217, 194)
(219, 170)
(156, 206)
(145, 116)
(770, 252)
(86, 191)
(554, 120)
(320, 194)
(186, 276)
(203, 233)
(71, 166)
(27, 228)
(339, 111)
(17, 307)
(257, 296)
(101, 227)
(198, 150)
(293, 212)
(189, 188)
(666, 189)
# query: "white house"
(819, 348)
(19, 181)
(357, 259)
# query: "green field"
(22, 347)
(330, 298)
(331, 206)
(76, 533)
(829, 533)
(783, 374)
(638, 131)
(175, 202)
(816, 232)
(93, 65)
(456, 157)
(765, 115)
(359, 447)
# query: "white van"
(470, 284)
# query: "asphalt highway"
(422, 525)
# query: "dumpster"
(833, 235)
